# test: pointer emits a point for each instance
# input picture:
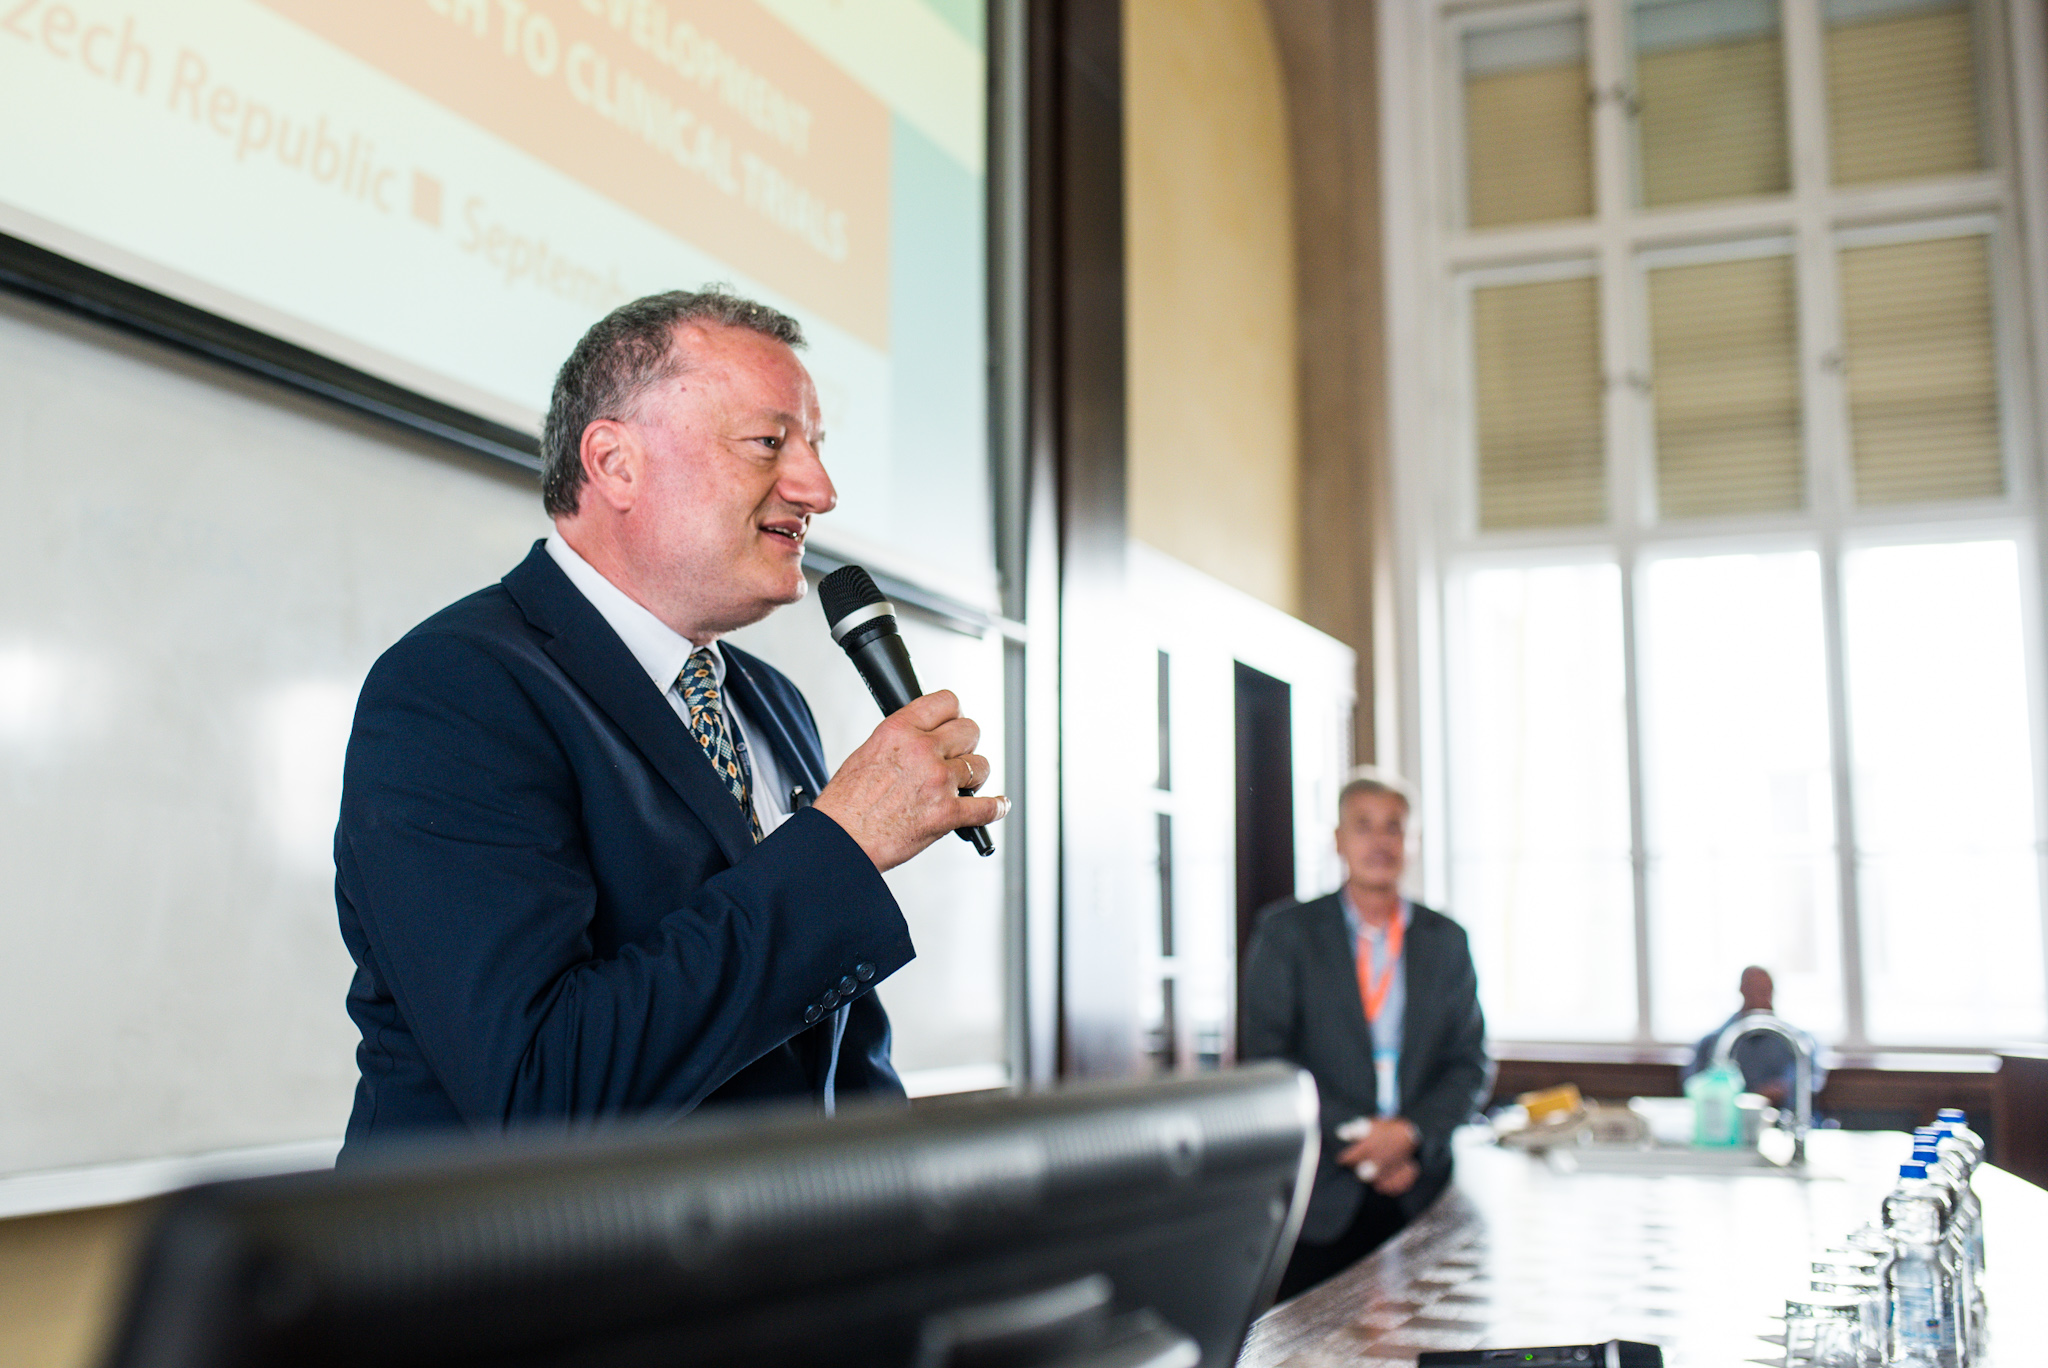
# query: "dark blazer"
(1301, 1005)
(557, 910)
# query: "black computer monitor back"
(1137, 1226)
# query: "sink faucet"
(1802, 1076)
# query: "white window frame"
(1431, 263)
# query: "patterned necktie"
(707, 724)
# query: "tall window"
(1720, 478)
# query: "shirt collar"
(1357, 924)
(661, 650)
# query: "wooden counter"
(1518, 1253)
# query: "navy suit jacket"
(1301, 1004)
(557, 911)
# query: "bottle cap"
(1955, 1114)
(1925, 1157)
(1912, 1170)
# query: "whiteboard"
(200, 573)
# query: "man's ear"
(613, 463)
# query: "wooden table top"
(1519, 1253)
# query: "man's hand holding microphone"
(915, 778)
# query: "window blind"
(1528, 128)
(1536, 357)
(1710, 85)
(1902, 90)
(1923, 377)
(1724, 348)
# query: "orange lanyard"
(1373, 992)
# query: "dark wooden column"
(1329, 55)
(1077, 331)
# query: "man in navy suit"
(589, 862)
(1375, 996)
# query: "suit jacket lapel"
(1339, 957)
(1416, 964)
(794, 758)
(591, 654)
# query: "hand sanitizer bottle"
(1713, 1090)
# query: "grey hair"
(1372, 779)
(625, 353)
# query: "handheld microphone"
(864, 625)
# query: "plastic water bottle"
(1961, 1148)
(1957, 1164)
(1964, 1151)
(1948, 1170)
(1955, 1256)
(1917, 1285)
(1956, 1122)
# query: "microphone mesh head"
(845, 589)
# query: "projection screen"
(445, 193)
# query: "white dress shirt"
(1387, 1031)
(662, 652)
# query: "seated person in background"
(1375, 996)
(1766, 1060)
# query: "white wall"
(1205, 627)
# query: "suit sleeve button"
(863, 971)
(847, 986)
(812, 1013)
